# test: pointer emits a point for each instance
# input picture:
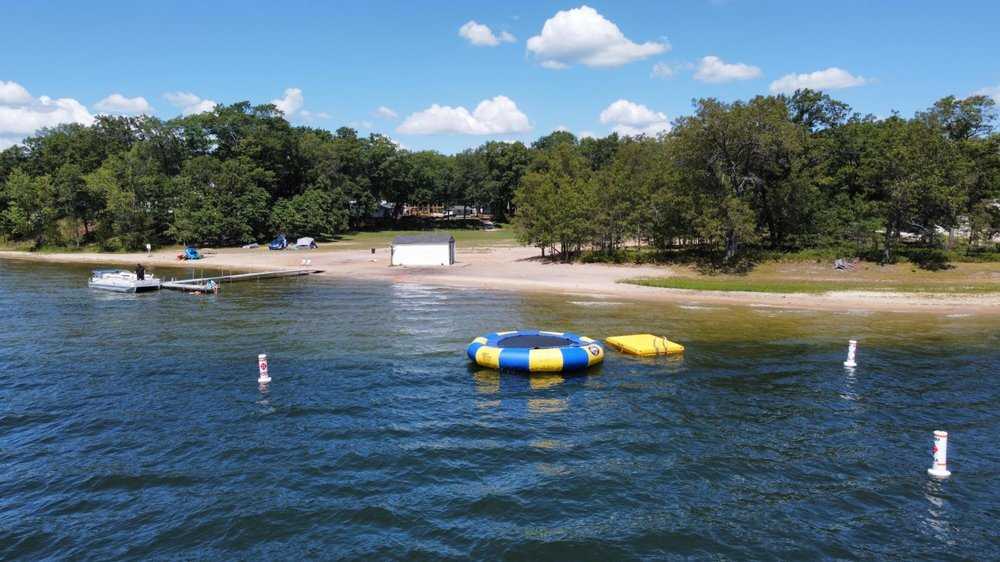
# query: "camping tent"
(279, 243)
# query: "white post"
(262, 366)
(852, 346)
(940, 468)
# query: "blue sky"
(345, 60)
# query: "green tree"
(622, 209)
(30, 207)
(222, 202)
(317, 213)
(600, 152)
(502, 165)
(136, 199)
(557, 202)
(739, 163)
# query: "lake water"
(132, 427)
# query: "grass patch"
(809, 287)
(464, 237)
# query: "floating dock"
(201, 284)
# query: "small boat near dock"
(121, 281)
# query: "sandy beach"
(512, 268)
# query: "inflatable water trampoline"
(535, 351)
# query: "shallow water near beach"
(133, 427)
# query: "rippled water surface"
(133, 427)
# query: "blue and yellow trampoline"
(535, 351)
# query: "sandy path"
(513, 268)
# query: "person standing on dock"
(140, 272)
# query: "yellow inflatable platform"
(644, 344)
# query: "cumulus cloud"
(633, 119)
(291, 102)
(499, 115)
(385, 112)
(188, 103)
(22, 114)
(832, 78)
(990, 91)
(481, 35)
(582, 35)
(117, 103)
(630, 113)
(714, 70)
(12, 93)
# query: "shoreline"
(514, 268)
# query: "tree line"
(775, 172)
(779, 173)
(237, 174)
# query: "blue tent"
(279, 243)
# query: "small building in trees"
(423, 250)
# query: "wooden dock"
(201, 284)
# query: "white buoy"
(852, 347)
(262, 365)
(940, 468)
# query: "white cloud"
(663, 70)
(832, 78)
(991, 91)
(291, 102)
(385, 113)
(117, 103)
(12, 93)
(582, 35)
(714, 70)
(362, 125)
(481, 35)
(22, 114)
(587, 135)
(630, 113)
(633, 119)
(30, 114)
(499, 115)
(189, 103)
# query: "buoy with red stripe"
(264, 378)
(940, 467)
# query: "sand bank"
(518, 269)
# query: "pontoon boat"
(122, 281)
